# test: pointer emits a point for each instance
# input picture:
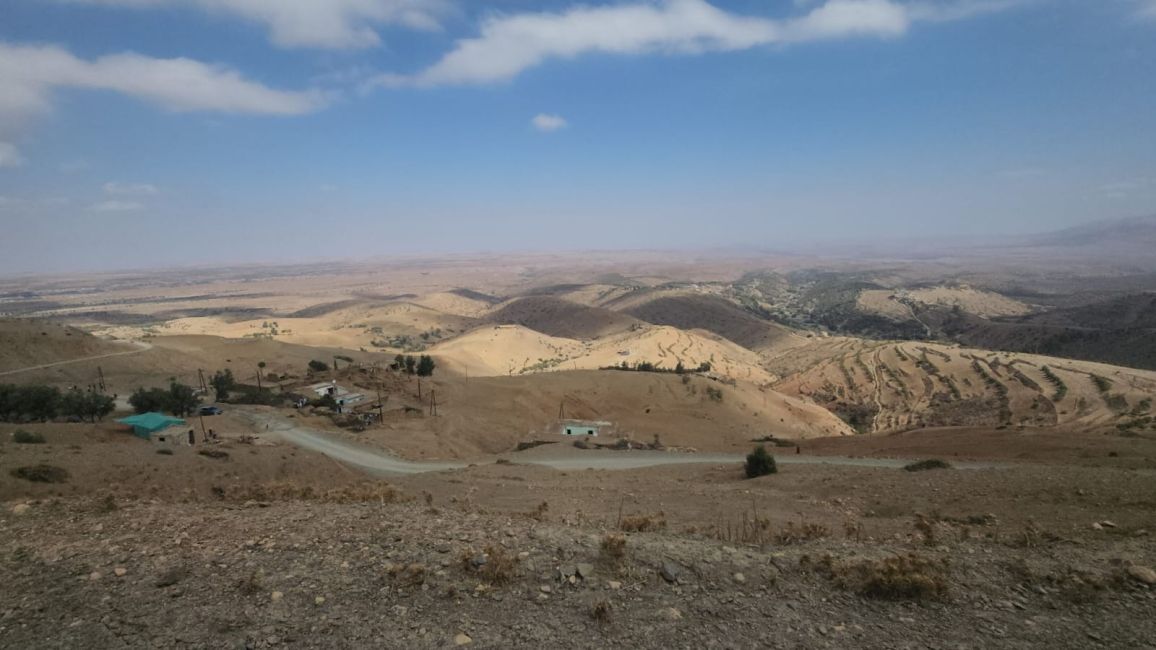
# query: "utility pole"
(201, 380)
(100, 378)
(380, 404)
(419, 389)
(433, 402)
(562, 409)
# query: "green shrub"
(931, 463)
(760, 463)
(27, 438)
(41, 473)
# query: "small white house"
(582, 427)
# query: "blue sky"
(154, 132)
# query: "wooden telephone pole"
(433, 403)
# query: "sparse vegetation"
(902, 577)
(929, 464)
(27, 438)
(643, 523)
(41, 473)
(1061, 389)
(760, 463)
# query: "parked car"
(211, 410)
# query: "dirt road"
(378, 462)
(141, 346)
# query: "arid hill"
(557, 317)
(713, 314)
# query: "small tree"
(88, 405)
(410, 364)
(146, 401)
(318, 366)
(222, 382)
(760, 463)
(260, 369)
(182, 399)
(679, 368)
(398, 362)
(425, 366)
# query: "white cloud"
(29, 74)
(10, 155)
(315, 23)
(130, 189)
(545, 122)
(1146, 9)
(116, 205)
(507, 45)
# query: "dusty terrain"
(1039, 535)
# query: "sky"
(138, 133)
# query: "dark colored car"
(211, 410)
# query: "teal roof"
(146, 424)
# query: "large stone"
(669, 572)
(1143, 574)
(462, 639)
(21, 509)
(585, 570)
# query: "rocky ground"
(375, 568)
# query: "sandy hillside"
(487, 415)
(512, 349)
(25, 343)
(986, 304)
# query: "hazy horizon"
(148, 133)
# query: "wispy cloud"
(332, 24)
(130, 189)
(116, 205)
(10, 155)
(1146, 9)
(546, 122)
(508, 45)
(29, 74)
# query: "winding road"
(381, 463)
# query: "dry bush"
(409, 575)
(41, 473)
(803, 532)
(642, 523)
(926, 528)
(495, 565)
(613, 547)
(217, 454)
(751, 529)
(600, 611)
(903, 577)
(252, 584)
(164, 451)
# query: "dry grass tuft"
(614, 547)
(903, 577)
(802, 532)
(409, 575)
(495, 565)
(600, 611)
(643, 523)
(252, 584)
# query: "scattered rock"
(21, 509)
(95, 575)
(276, 596)
(120, 571)
(171, 576)
(669, 572)
(462, 639)
(614, 584)
(585, 570)
(320, 600)
(1143, 574)
(740, 578)
(670, 614)
(545, 589)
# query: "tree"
(425, 366)
(760, 463)
(410, 364)
(32, 402)
(88, 405)
(398, 362)
(318, 366)
(147, 401)
(679, 368)
(222, 382)
(260, 369)
(182, 399)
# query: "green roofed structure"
(146, 424)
